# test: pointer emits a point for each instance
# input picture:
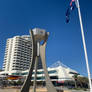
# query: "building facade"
(58, 73)
(18, 53)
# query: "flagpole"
(84, 45)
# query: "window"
(52, 71)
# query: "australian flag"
(69, 10)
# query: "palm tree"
(75, 78)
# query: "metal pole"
(84, 45)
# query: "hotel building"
(18, 53)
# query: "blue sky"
(64, 43)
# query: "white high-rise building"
(18, 53)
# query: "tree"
(84, 81)
(80, 81)
(19, 82)
(75, 78)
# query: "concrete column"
(26, 85)
(35, 74)
(49, 84)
